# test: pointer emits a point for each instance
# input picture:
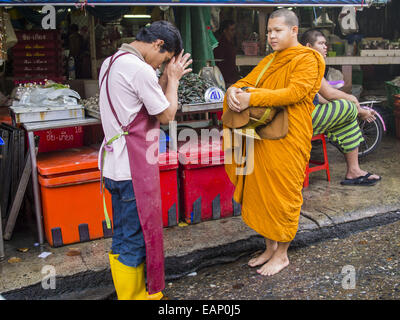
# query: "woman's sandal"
(360, 181)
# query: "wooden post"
(347, 71)
(93, 58)
(2, 254)
(261, 31)
(262, 28)
(3, 38)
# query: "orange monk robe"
(271, 196)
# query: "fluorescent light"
(137, 16)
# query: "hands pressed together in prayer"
(237, 99)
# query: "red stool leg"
(319, 165)
(326, 162)
(305, 183)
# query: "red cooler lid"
(168, 160)
(68, 160)
(204, 152)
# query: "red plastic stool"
(319, 165)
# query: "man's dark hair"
(290, 17)
(310, 36)
(226, 24)
(162, 30)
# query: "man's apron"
(146, 186)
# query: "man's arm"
(321, 99)
(171, 93)
(330, 93)
(163, 81)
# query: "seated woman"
(335, 115)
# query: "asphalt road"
(362, 266)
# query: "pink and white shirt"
(132, 84)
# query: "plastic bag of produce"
(38, 97)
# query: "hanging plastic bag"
(215, 18)
(11, 38)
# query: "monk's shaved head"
(290, 17)
(283, 29)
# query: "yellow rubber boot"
(129, 281)
(155, 296)
(112, 257)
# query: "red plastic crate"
(37, 53)
(58, 79)
(37, 61)
(30, 76)
(34, 45)
(205, 188)
(168, 163)
(60, 139)
(37, 35)
(36, 68)
(71, 200)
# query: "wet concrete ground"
(321, 271)
(328, 211)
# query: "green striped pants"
(338, 120)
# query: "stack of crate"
(12, 161)
(38, 55)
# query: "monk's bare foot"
(263, 257)
(274, 265)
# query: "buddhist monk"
(271, 195)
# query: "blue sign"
(214, 94)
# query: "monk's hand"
(231, 99)
(244, 100)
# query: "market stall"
(363, 51)
(58, 115)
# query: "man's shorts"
(338, 120)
